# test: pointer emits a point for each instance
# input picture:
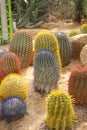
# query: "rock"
(83, 56)
(78, 42)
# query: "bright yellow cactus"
(73, 33)
(46, 40)
(60, 112)
(13, 85)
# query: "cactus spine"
(60, 112)
(21, 44)
(65, 48)
(47, 40)
(46, 72)
(13, 85)
(13, 108)
(10, 63)
(78, 85)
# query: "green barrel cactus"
(13, 85)
(46, 72)
(73, 33)
(60, 112)
(13, 108)
(22, 46)
(47, 40)
(78, 85)
(10, 63)
(2, 52)
(65, 48)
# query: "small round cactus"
(84, 28)
(65, 48)
(47, 40)
(13, 108)
(22, 46)
(83, 56)
(46, 72)
(78, 85)
(10, 63)
(60, 112)
(13, 85)
(73, 33)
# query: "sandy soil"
(36, 112)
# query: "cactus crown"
(77, 85)
(13, 85)
(13, 108)
(46, 73)
(47, 40)
(60, 113)
(10, 63)
(22, 45)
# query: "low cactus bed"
(73, 33)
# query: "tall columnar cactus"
(13, 85)
(65, 48)
(46, 72)
(21, 44)
(10, 63)
(78, 85)
(13, 108)
(47, 40)
(60, 112)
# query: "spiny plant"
(60, 112)
(73, 33)
(13, 85)
(78, 85)
(13, 108)
(47, 40)
(65, 48)
(46, 72)
(84, 28)
(10, 63)
(21, 45)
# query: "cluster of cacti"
(65, 48)
(84, 28)
(46, 71)
(10, 63)
(78, 85)
(47, 40)
(13, 85)
(60, 112)
(73, 33)
(22, 46)
(83, 56)
(13, 108)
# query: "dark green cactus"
(46, 72)
(22, 46)
(65, 48)
(10, 63)
(47, 40)
(78, 85)
(60, 112)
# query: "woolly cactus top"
(13, 85)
